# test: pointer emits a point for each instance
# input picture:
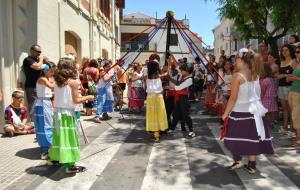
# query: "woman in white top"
(65, 144)
(247, 131)
(156, 116)
(137, 90)
(43, 110)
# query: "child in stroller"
(117, 92)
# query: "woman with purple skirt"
(247, 133)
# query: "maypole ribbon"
(145, 43)
(137, 35)
(189, 44)
(213, 67)
(101, 96)
(184, 27)
(130, 50)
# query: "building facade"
(226, 39)
(81, 27)
(229, 40)
(134, 23)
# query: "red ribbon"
(180, 92)
(170, 93)
(224, 130)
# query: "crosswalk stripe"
(168, 167)
(269, 176)
(95, 157)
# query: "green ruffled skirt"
(65, 146)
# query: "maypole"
(170, 17)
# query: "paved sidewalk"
(16, 155)
(19, 153)
(121, 156)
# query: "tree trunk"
(274, 48)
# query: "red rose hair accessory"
(154, 57)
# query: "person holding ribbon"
(247, 130)
(43, 110)
(156, 116)
(181, 100)
(65, 143)
(105, 97)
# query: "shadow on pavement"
(54, 173)
(30, 153)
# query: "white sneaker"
(191, 134)
(44, 156)
(290, 134)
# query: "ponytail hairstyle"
(65, 70)
(50, 64)
(254, 61)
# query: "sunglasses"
(21, 97)
(37, 51)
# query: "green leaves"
(251, 17)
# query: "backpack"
(92, 88)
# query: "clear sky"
(202, 14)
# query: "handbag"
(16, 120)
(92, 88)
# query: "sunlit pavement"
(121, 155)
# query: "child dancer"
(105, 98)
(211, 85)
(225, 86)
(247, 133)
(156, 117)
(181, 99)
(137, 90)
(174, 79)
(268, 93)
(65, 146)
(43, 110)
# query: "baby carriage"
(218, 105)
(118, 100)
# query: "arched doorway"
(104, 53)
(72, 44)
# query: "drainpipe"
(113, 43)
(91, 32)
(59, 28)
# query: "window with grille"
(174, 40)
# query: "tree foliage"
(252, 18)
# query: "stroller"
(118, 100)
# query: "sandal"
(250, 170)
(75, 169)
(97, 120)
(235, 165)
(53, 163)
